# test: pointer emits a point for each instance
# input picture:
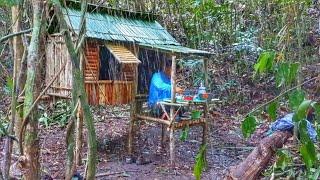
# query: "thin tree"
(15, 123)
(78, 92)
(31, 162)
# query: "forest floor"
(226, 147)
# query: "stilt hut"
(119, 46)
(122, 51)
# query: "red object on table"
(188, 98)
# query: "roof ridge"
(110, 10)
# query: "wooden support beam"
(147, 118)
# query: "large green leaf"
(265, 62)
(308, 153)
(272, 110)
(282, 74)
(316, 107)
(248, 126)
(200, 163)
(301, 112)
(303, 131)
(295, 99)
(293, 72)
(286, 73)
(184, 133)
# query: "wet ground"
(225, 148)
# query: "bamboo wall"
(109, 92)
(99, 92)
(56, 55)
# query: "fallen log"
(259, 158)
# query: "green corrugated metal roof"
(119, 28)
(175, 48)
(113, 28)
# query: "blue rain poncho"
(286, 124)
(160, 88)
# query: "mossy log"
(259, 158)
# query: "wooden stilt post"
(163, 128)
(133, 113)
(171, 138)
(205, 125)
(173, 99)
(204, 133)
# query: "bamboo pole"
(173, 99)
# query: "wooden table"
(170, 124)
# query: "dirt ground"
(225, 148)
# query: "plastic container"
(195, 114)
(202, 94)
(202, 89)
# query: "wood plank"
(62, 77)
(56, 65)
(102, 90)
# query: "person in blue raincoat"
(160, 87)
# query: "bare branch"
(15, 34)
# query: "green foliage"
(272, 110)
(296, 98)
(184, 133)
(303, 132)
(286, 73)
(196, 69)
(201, 162)
(248, 126)
(308, 154)
(3, 128)
(59, 116)
(265, 62)
(301, 112)
(307, 148)
(9, 85)
(316, 107)
(314, 173)
(284, 158)
(9, 3)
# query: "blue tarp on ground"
(286, 124)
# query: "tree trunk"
(17, 56)
(139, 5)
(258, 159)
(31, 144)
(78, 92)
